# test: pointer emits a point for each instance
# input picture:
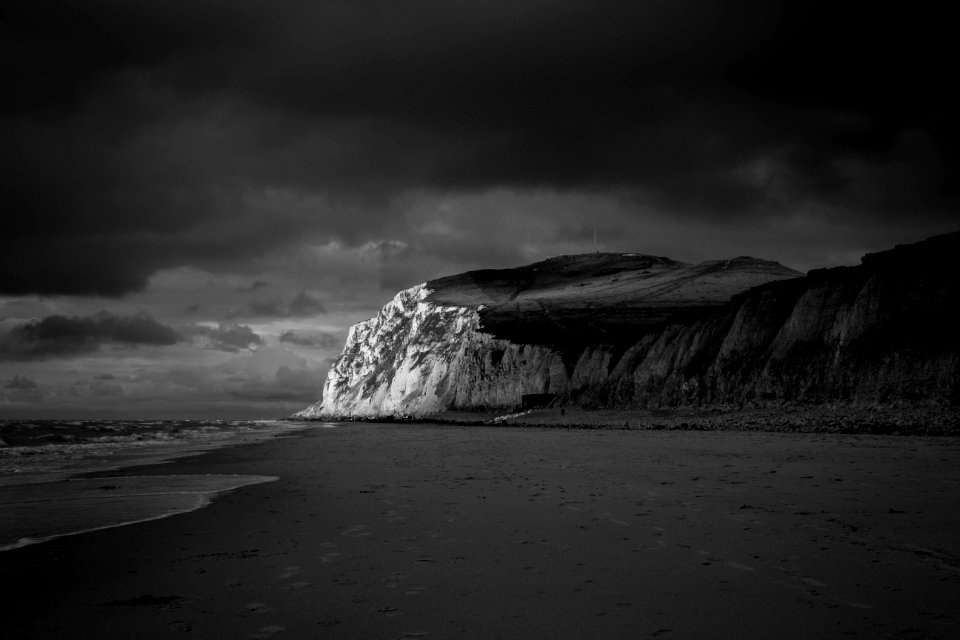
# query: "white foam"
(173, 495)
(54, 461)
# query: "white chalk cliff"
(416, 358)
(625, 330)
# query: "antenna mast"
(595, 249)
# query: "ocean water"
(42, 498)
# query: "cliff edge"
(628, 330)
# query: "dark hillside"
(572, 301)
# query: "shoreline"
(413, 531)
(39, 506)
(201, 498)
(838, 419)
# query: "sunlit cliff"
(625, 330)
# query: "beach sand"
(428, 531)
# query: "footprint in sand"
(356, 531)
(392, 516)
(257, 607)
(302, 584)
(266, 632)
(392, 581)
(813, 582)
(289, 572)
(807, 580)
(789, 586)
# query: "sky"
(199, 198)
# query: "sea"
(46, 488)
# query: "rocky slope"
(615, 330)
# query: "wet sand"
(413, 531)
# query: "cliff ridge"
(634, 331)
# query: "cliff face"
(884, 332)
(649, 332)
(416, 358)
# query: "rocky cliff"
(416, 358)
(618, 330)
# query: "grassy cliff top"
(599, 297)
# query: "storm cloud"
(312, 339)
(60, 336)
(302, 305)
(225, 337)
(20, 383)
(162, 134)
(305, 305)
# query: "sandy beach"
(414, 531)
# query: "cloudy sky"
(199, 197)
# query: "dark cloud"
(305, 305)
(270, 374)
(297, 384)
(267, 309)
(20, 383)
(226, 337)
(312, 339)
(21, 391)
(55, 336)
(254, 286)
(302, 305)
(95, 388)
(157, 134)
